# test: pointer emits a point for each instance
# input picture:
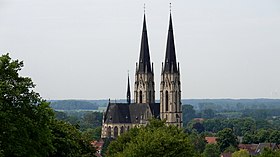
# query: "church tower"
(128, 97)
(144, 90)
(170, 86)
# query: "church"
(120, 117)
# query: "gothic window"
(122, 130)
(140, 97)
(115, 131)
(109, 131)
(166, 100)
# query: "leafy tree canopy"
(28, 127)
(241, 153)
(156, 139)
(211, 150)
(226, 138)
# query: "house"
(98, 145)
(211, 140)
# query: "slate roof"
(130, 113)
(251, 148)
(261, 146)
(170, 63)
(144, 58)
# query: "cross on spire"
(170, 6)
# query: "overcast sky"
(83, 49)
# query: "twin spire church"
(120, 117)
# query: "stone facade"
(144, 88)
(170, 99)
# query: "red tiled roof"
(97, 144)
(211, 140)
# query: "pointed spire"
(144, 59)
(128, 95)
(170, 56)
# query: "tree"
(226, 138)
(211, 150)
(68, 141)
(188, 113)
(275, 137)
(241, 153)
(262, 135)
(24, 115)
(198, 141)
(92, 134)
(28, 126)
(156, 139)
(208, 113)
(269, 153)
(249, 138)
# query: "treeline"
(73, 105)
(232, 104)
(219, 105)
(82, 119)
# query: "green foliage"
(269, 153)
(83, 119)
(241, 153)
(275, 137)
(207, 113)
(73, 105)
(27, 124)
(198, 141)
(188, 113)
(156, 139)
(24, 115)
(249, 138)
(226, 138)
(107, 142)
(68, 141)
(231, 149)
(211, 150)
(240, 126)
(92, 134)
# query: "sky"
(83, 49)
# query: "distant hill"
(199, 104)
(233, 104)
(73, 105)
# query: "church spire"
(144, 59)
(170, 63)
(128, 96)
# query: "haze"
(83, 49)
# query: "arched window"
(140, 97)
(109, 131)
(122, 130)
(127, 128)
(115, 131)
(166, 100)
